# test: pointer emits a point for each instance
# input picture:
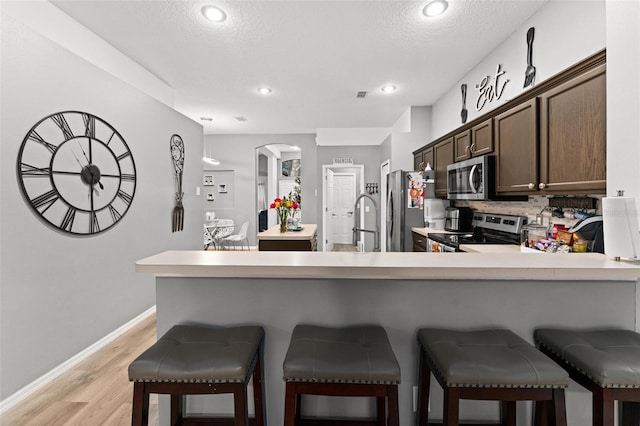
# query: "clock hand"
(85, 154)
(77, 159)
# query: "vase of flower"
(284, 206)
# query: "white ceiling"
(315, 55)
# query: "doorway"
(340, 185)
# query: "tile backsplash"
(535, 204)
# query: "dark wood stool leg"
(381, 410)
(177, 402)
(451, 407)
(424, 377)
(540, 413)
(392, 402)
(603, 406)
(259, 391)
(508, 413)
(241, 409)
(558, 415)
(290, 409)
(140, 410)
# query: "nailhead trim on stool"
(605, 361)
(193, 360)
(341, 361)
(493, 364)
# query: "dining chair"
(239, 237)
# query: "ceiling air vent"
(361, 95)
(241, 118)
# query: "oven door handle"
(473, 171)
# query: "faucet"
(356, 228)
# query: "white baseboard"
(45, 379)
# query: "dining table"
(218, 229)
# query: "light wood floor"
(95, 392)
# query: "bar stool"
(191, 360)
(343, 361)
(493, 365)
(607, 362)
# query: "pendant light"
(207, 157)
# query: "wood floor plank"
(97, 391)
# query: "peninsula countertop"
(422, 266)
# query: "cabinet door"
(482, 138)
(418, 163)
(419, 242)
(574, 134)
(462, 145)
(443, 153)
(516, 142)
(428, 158)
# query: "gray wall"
(59, 294)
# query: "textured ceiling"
(315, 55)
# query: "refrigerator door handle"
(390, 214)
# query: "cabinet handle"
(531, 185)
(472, 147)
(542, 185)
(467, 148)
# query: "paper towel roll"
(620, 227)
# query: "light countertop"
(307, 232)
(474, 266)
(491, 248)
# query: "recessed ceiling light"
(389, 88)
(214, 14)
(264, 90)
(435, 8)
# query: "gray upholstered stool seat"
(341, 361)
(190, 359)
(494, 364)
(605, 361)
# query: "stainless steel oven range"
(488, 228)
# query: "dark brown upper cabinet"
(475, 141)
(422, 158)
(573, 135)
(516, 138)
(443, 156)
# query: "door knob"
(531, 185)
(542, 185)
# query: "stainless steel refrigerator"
(405, 202)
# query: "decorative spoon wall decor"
(530, 72)
(177, 154)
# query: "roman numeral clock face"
(77, 172)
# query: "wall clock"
(76, 172)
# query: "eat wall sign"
(491, 88)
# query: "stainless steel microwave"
(471, 179)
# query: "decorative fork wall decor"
(177, 154)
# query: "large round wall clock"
(77, 172)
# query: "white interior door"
(330, 219)
(342, 211)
